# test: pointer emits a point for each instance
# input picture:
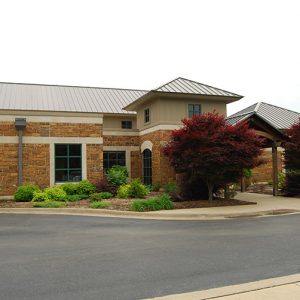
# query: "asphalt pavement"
(76, 257)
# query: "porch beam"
(275, 168)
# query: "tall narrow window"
(193, 110)
(146, 115)
(68, 162)
(113, 158)
(147, 166)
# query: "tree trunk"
(226, 192)
(210, 191)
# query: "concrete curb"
(237, 290)
(159, 215)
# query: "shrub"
(281, 180)
(49, 204)
(56, 193)
(137, 189)
(99, 204)
(100, 196)
(85, 187)
(155, 187)
(171, 187)
(104, 186)
(70, 188)
(39, 196)
(154, 203)
(25, 193)
(117, 175)
(123, 191)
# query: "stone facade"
(94, 162)
(162, 172)
(8, 168)
(36, 155)
(264, 173)
(118, 140)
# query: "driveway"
(74, 257)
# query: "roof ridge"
(257, 106)
(75, 86)
(165, 84)
(240, 115)
(207, 85)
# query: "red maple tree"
(292, 160)
(214, 150)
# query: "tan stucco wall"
(171, 111)
(114, 122)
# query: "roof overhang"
(171, 95)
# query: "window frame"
(126, 124)
(113, 164)
(147, 115)
(68, 157)
(193, 112)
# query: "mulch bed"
(124, 204)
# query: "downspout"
(20, 124)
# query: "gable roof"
(59, 98)
(278, 117)
(42, 97)
(186, 86)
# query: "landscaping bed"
(124, 204)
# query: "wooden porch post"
(275, 169)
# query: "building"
(269, 122)
(51, 134)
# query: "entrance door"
(147, 166)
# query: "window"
(68, 162)
(193, 110)
(126, 124)
(146, 115)
(147, 166)
(113, 158)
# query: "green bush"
(49, 204)
(25, 193)
(155, 187)
(70, 188)
(281, 180)
(100, 196)
(99, 204)
(73, 198)
(39, 196)
(56, 193)
(137, 189)
(117, 175)
(171, 187)
(155, 203)
(123, 191)
(85, 187)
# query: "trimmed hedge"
(49, 204)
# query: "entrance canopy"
(269, 121)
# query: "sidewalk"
(281, 288)
(266, 205)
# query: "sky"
(251, 48)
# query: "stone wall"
(161, 170)
(8, 168)
(94, 162)
(110, 140)
(264, 173)
(36, 156)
